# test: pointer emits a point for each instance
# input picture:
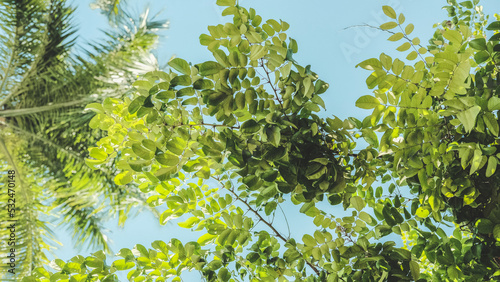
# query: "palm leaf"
(43, 92)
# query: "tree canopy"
(224, 143)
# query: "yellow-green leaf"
(494, 104)
(409, 28)
(468, 117)
(401, 19)
(396, 36)
(453, 36)
(257, 52)
(205, 238)
(388, 25)
(180, 65)
(492, 166)
(422, 212)
(357, 203)
(412, 56)
(309, 240)
(226, 2)
(405, 46)
(389, 11)
(367, 102)
(123, 178)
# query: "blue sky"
(319, 26)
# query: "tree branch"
(277, 233)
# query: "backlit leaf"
(468, 117)
(367, 102)
(180, 65)
(209, 68)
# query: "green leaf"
(491, 122)
(422, 212)
(121, 264)
(270, 207)
(203, 84)
(453, 272)
(226, 2)
(309, 240)
(253, 257)
(388, 25)
(123, 178)
(357, 202)
(401, 19)
(209, 68)
(495, 37)
(164, 96)
(468, 117)
(190, 101)
(478, 44)
(167, 159)
(386, 212)
(492, 166)
(138, 165)
(98, 153)
(176, 146)
(95, 107)
(409, 28)
(257, 51)
(496, 232)
(484, 226)
(274, 135)
(476, 161)
(370, 137)
(143, 84)
(494, 26)
(184, 80)
(367, 102)
(481, 57)
(366, 217)
(221, 57)
(494, 104)
(224, 275)
(415, 270)
(370, 64)
(311, 106)
(148, 103)
(136, 104)
(434, 203)
(214, 265)
(275, 154)
(389, 11)
(186, 91)
(223, 236)
(142, 152)
(453, 36)
(180, 65)
(467, 4)
(250, 126)
(405, 46)
(205, 238)
(396, 36)
(206, 39)
(412, 56)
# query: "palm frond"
(32, 233)
(42, 98)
